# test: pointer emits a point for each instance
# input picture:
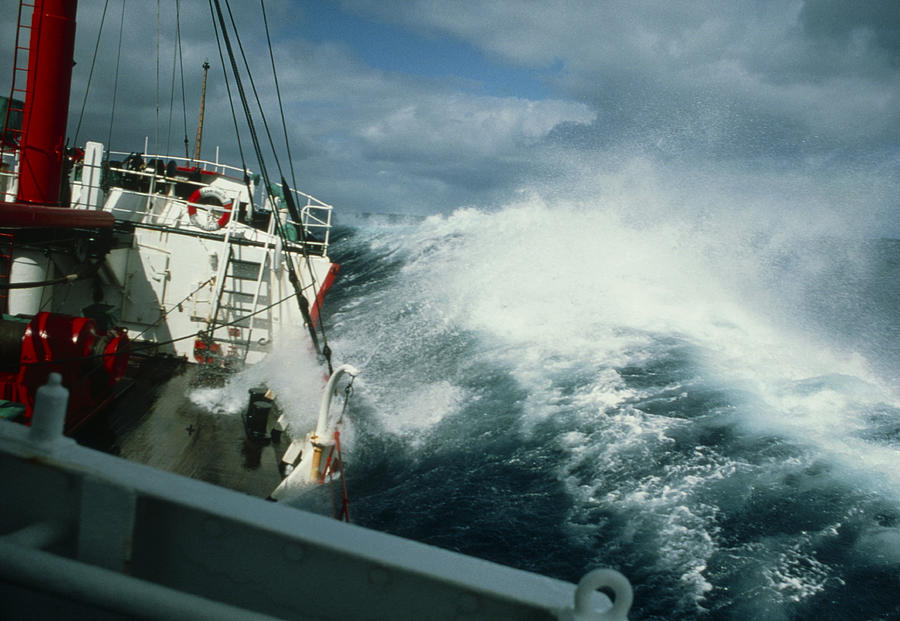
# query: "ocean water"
(710, 406)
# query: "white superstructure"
(201, 260)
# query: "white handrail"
(323, 426)
(73, 580)
(315, 215)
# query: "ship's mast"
(202, 109)
(47, 101)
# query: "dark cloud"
(874, 24)
(768, 82)
(744, 79)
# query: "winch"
(91, 361)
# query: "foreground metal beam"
(159, 539)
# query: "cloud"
(709, 74)
(797, 84)
(352, 127)
(874, 24)
(455, 148)
(465, 126)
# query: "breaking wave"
(563, 386)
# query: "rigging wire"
(181, 65)
(156, 134)
(237, 133)
(112, 115)
(165, 312)
(243, 96)
(292, 273)
(253, 132)
(262, 115)
(326, 351)
(287, 144)
(288, 192)
(172, 90)
(87, 88)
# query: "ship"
(116, 262)
(117, 267)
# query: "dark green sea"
(558, 389)
(711, 409)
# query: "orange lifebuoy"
(217, 213)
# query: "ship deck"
(153, 422)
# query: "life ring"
(214, 217)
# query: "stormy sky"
(426, 105)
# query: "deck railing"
(315, 215)
(149, 181)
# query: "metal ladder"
(243, 300)
(11, 138)
(242, 296)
